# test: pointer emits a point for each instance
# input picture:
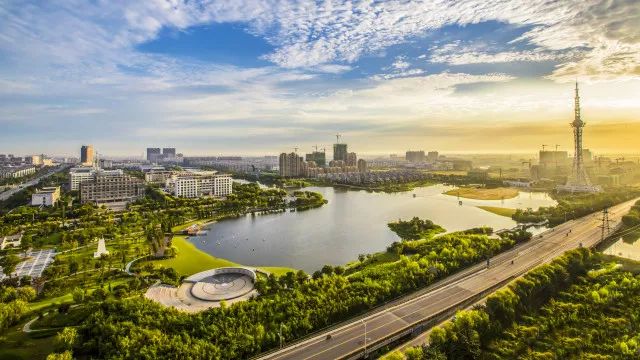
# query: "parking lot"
(35, 263)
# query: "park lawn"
(190, 259)
(484, 194)
(17, 345)
(499, 210)
(277, 270)
(66, 298)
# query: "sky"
(254, 77)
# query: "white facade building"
(47, 196)
(197, 184)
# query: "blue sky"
(256, 77)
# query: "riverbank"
(388, 188)
(502, 211)
(190, 260)
(475, 193)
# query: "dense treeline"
(573, 206)
(141, 329)
(415, 228)
(13, 304)
(304, 200)
(633, 217)
(576, 307)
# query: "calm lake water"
(626, 248)
(352, 223)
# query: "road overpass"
(418, 311)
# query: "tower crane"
(338, 136)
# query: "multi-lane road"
(348, 340)
(7, 194)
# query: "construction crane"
(338, 136)
(543, 147)
(295, 149)
(619, 159)
(316, 147)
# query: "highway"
(7, 194)
(348, 340)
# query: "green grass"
(277, 270)
(499, 210)
(17, 345)
(66, 298)
(190, 259)
(484, 194)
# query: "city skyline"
(250, 78)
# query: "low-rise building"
(202, 183)
(108, 188)
(12, 241)
(157, 177)
(47, 196)
(16, 171)
(78, 175)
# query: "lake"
(353, 222)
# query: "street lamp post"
(365, 338)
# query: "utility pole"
(605, 223)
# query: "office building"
(157, 177)
(432, 157)
(352, 159)
(153, 154)
(47, 196)
(362, 165)
(340, 152)
(33, 159)
(318, 157)
(106, 164)
(201, 183)
(109, 188)
(81, 174)
(291, 165)
(87, 155)
(415, 156)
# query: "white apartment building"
(80, 174)
(16, 171)
(47, 196)
(197, 184)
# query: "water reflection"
(352, 223)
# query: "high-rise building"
(340, 152)
(352, 159)
(168, 152)
(291, 165)
(362, 165)
(432, 157)
(319, 157)
(553, 158)
(415, 156)
(87, 155)
(153, 154)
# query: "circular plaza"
(222, 284)
(207, 289)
